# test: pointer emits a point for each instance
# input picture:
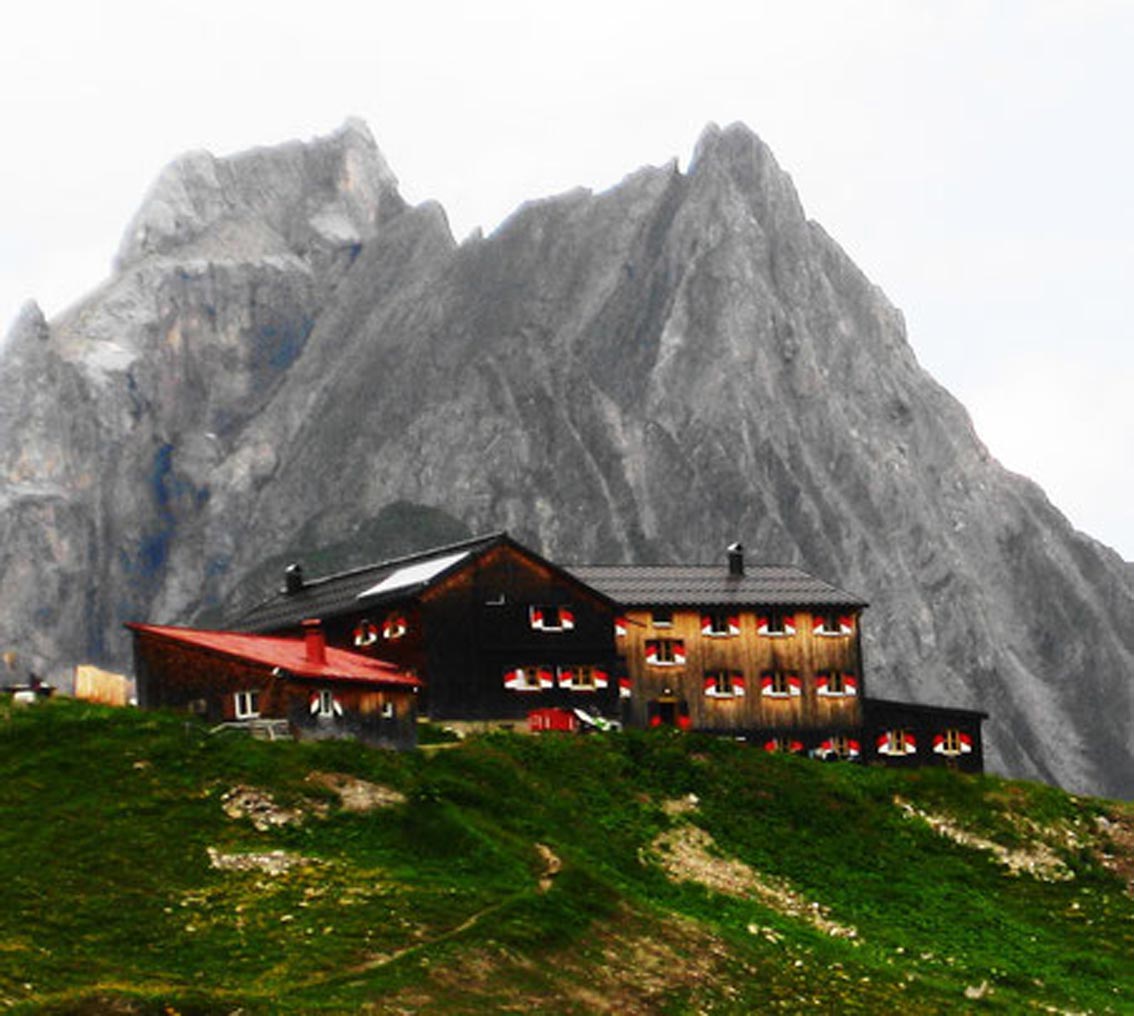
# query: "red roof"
(288, 654)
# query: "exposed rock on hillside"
(643, 374)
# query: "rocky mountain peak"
(734, 160)
(331, 191)
(30, 326)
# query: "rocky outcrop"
(644, 374)
(119, 420)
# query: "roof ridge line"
(392, 561)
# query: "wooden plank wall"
(750, 654)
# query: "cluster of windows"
(394, 627)
(898, 742)
(538, 677)
(773, 623)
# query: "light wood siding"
(750, 655)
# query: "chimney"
(293, 579)
(316, 642)
(736, 560)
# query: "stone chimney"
(736, 560)
(293, 579)
(316, 642)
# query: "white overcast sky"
(975, 159)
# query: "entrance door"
(668, 711)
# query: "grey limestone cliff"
(644, 374)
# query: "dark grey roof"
(712, 585)
(333, 595)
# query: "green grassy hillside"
(150, 867)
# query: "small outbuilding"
(255, 680)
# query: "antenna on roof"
(293, 578)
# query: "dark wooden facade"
(909, 735)
(225, 681)
(494, 630)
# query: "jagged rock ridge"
(643, 374)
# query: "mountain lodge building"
(494, 635)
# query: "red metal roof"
(289, 654)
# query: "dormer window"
(551, 617)
(720, 624)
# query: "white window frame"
(388, 711)
(669, 652)
(716, 630)
(562, 623)
(780, 686)
(951, 742)
(326, 704)
(247, 704)
(583, 678)
(723, 684)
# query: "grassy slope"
(108, 902)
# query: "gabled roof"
(383, 582)
(289, 654)
(332, 595)
(713, 586)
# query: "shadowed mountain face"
(287, 354)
